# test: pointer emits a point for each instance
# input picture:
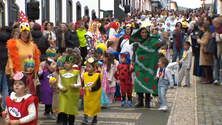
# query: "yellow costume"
(92, 99)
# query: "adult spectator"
(77, 23)
(4, 37)
(86, 20)
(15, 33)
(82, 39)
(209, 21)
(61, 38)
(178, 40)
(71, 37)
(50, 35)
(206, 59)
(43, 24)
(40, 40)
(217, 22)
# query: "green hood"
(137, 37)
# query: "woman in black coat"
(41, 41)
(71, 37)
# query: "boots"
(148, 100)
(140, 101)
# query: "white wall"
(92, 4)
(107, 5)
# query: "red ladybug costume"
(124, 75)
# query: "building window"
(13, 10)
(93, 14)
(45, 10)
(86, 11)
(2, 14)
(69, 11)
(58, 10)
(78, 10)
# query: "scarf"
(178, 40)
(126, 37)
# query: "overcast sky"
(188, 3)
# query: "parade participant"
(54, 83)
(113, 29)
(92, 86)
(108, 71)
(18, 48)
(186, 65)
(93, 35)
(50, 53)
(145, 48)
(69, 84)
(124, 78)
(22, 108)
(46, 89)
(29, 66)
(165, 77)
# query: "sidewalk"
(209, 104)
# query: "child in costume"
(165, 77)
(21, 108)
(92, 86)
(124, 78)
(46, 88)
(116, 63)
(54, 83)
(108, 71)
(34, 89)
(186, 61)
(69, 84)
(50, 53)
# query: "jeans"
(4, 85)
(163, 85)
(176, 53)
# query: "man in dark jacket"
(41, 41)
(4, 37)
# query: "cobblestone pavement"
(209, 104)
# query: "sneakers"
(123, 103)
(129, 103)
(164, 108)
(85, 122)
(53, 117)
(216, 82)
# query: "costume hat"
(29, 61)
(50, 52)
(24, 22)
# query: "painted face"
(68, 65)
(19, 87)
(144, 33)
(90, 68)
(30, 69)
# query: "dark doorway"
(86, 9)
(93, 14)
(69, 11)
(78, 10)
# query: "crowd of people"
(103, 61)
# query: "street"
(118, 115)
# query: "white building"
(51, 10)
